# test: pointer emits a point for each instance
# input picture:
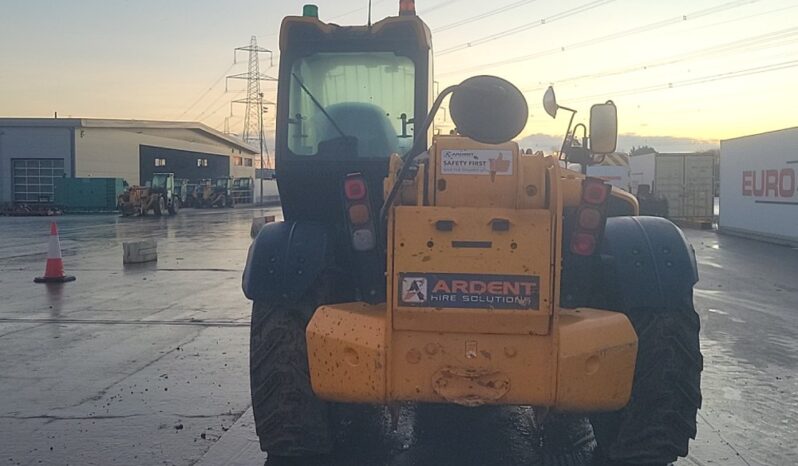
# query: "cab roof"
(308, 29)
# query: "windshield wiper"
(320, 107)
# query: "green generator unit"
(88, 194)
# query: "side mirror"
(488, 109)
(603, 128)
(550, 102)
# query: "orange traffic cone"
(54, 271)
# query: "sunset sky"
(682, 72)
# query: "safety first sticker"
(450, 290)
(476, 162)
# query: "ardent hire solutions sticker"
(458, 290)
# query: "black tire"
(160, 206)
(289, 419)
(174, 207)
(657, 424)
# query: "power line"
(527, 26)
(224, 105)
(206, 92)
(438, 6)
(214, 102)
(356, 10)
(695, 81)
(616, 35)
(762, 41)
(480, 16)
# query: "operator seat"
(367, 122)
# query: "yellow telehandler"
(454, 269)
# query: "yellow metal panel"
(532, 182)
(419, 358)
(523, 250)
(592, 370)
(346, 352)
(597, 360)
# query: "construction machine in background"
(182, 187)
(242, 191)
(217, 193)
(158, 197)
(451, 268)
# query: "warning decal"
(476, 162)
(457, 290)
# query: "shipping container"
(687, 181)
(758, 184)
(88, 194)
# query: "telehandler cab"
(453, 269)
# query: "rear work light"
(358, 213)
(590, 217)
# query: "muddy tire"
(289, 419)
(660, 419)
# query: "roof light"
(310, 10)
(407, 7)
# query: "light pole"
(260, 138)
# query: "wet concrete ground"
(148, 364)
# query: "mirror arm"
(567, 132)
(415, 151)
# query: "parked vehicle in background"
(218, 193)
(159, 197)
(242, 191)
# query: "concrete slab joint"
(137, 252)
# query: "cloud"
(548, 143)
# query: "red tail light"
(358, 213)
(590, 217)
(595, 191)
(583, 244)
(354, 187)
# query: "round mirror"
(550, 102)
(488, 109)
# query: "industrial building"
(34, 151)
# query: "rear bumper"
(585, 364)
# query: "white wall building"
(34, 151)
